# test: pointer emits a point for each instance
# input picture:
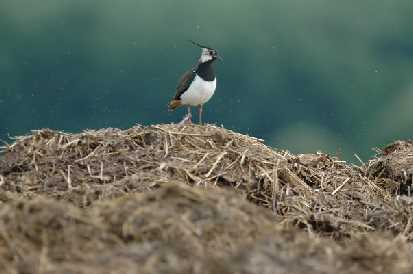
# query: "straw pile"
(198, 199)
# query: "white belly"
(199, 92)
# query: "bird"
(196, 86)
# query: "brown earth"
(199, 199)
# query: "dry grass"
(394, 167)
(115, 201)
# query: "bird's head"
(208, 54)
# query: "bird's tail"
(174, 104)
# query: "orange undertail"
(174, 104)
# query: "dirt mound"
(167, 229)
(177, 229)
(96, 165)
(394, 167)
(57, 183)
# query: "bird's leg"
(187, 118)
(200, 114)
(189, 112)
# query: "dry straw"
(90, 177)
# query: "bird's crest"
(199, 45)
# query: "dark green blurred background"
(304, 75)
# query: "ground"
(199, 199)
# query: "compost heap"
(199, 199)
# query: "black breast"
(206, 71)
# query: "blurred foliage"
(304, 75)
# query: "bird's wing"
(184, 83)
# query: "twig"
(89, 155)
(70, 143)
(166, 148)
(264, 172)
(101, 171)
(232, 164)
(125, 168)
(275, 187)
(340, 186)
(67, 178)
(219, 158)
(228, 144)
(89, 170)
(196, 179)
(359, 159)
(199, 163)
(244, 154)
(408, 227)
(354, 222)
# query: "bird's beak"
(219, 58)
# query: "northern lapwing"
(197, 85)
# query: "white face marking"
(199, 92)
(205, 56)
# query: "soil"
(199, 199)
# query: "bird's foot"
(186, 120)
